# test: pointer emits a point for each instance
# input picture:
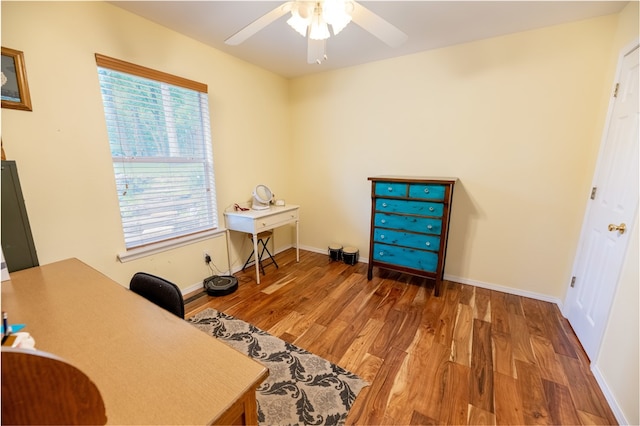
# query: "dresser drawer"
(423, 208)
(408, 223)
(407, 239)
(427, 191)
(410, 258)
(391, 189)
(275, 220)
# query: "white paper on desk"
(23, 341)
(5, 269)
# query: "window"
(160, 140)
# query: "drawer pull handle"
(431, 209)
(383, 221)
(428, 244)
(390, 189)
(382, 237)
(381, 253)
(384, 204)
(426, 190)
(429, 227)
(264, 223)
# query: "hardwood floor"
(471, 356)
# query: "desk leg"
(255, 256)
(297, 242)
(244, 411)
(228, 246)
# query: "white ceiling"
(429, 25)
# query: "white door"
(605, 232)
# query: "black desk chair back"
(163, 293)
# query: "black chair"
(163, 293)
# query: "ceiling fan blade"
(316, 51)
(377, 26)
(258, 24)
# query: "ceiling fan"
(312, 19)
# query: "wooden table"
(255, 221)
(150, 366)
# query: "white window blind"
(160, 140)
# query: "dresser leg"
(436, 290)
(370, 273)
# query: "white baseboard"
(447, 277)
(617, 411)
(461, 280)
(321, 251)
(192, 288)
(510, 290)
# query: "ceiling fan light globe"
(339, 25)
(332, 8)
(319, 29)
(298, 23)
(336, 10)
(305, 10)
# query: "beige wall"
(61, 147)
(516, 118)
(618, 360)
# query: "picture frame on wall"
(15, 89)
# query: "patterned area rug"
(302, 388)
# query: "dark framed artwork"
(15, 90)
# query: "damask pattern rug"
(302, 388)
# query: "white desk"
(255, 221)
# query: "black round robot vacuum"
(220, 285)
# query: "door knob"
(620, 228)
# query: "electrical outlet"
(207, 258)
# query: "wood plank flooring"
(471, 356)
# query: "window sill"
(151, 249)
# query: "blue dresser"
(410, 225)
